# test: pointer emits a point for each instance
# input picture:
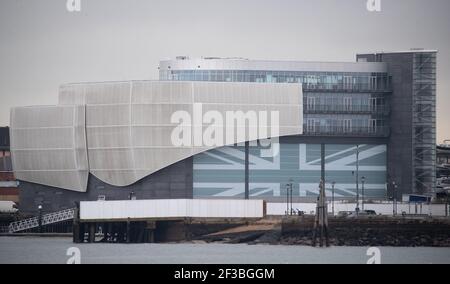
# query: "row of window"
(313, 80)
(345, 104)
(314, 125)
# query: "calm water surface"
(53, 250)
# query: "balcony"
(349, 88)
(346, 109)
(379, 131)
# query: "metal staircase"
(47, 219)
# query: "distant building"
(443, 161)
(8, 184)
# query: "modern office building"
(376, 118)
(366, 127)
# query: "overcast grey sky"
(42, 45)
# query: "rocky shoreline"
(353, 233)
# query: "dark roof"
(4, 138)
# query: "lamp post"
(332, 196)
(356, 175)
(363, 180)
(40, 218)
(289, 197)
(394, 198)
(290, 185)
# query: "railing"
(380, 131)
(345, 87)
(380, 110)
(50, 218)
(4, 229)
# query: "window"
(347, 104)
(311, 125)
(347, 125)
(373, 83)
(348, 82)
(372, 125)
(373, 104)
(311, 103)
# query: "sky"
(43, 45)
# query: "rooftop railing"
(378, 131)
(346, 109)
(342, 87)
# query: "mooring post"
(150, 231)
(76, 226)
(128, 230)
(92, 232)
(321, 218)
(446, 208)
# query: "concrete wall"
(174, 181)
(400, 153)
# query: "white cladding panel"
(127, 127)
(171, 208)
(129, 132)
(48, 146)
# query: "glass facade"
(335, 103)
(370, 82)
(341, 104)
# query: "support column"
(128, 231)
(322, 162)
(76, 227)
(92, 232)
(247, 171)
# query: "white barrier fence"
(171, 208)
(379, 208)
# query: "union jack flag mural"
(220, 173)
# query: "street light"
(332, 196)
(289, 198)
(40, 218)
(394, 198)
(357, 191)
(363, 180)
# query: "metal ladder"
(50, 218)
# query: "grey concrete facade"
(174, 181)
(412, 140)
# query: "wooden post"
(321, 218)
(128, 230)
(76, 227)
(92, 232)
(150, 227)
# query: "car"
(354, 214)
(344, 213)
(369, 212)
(8, 207)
